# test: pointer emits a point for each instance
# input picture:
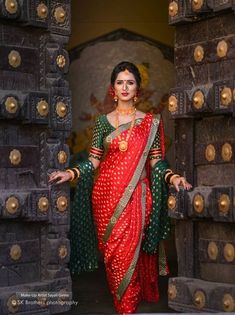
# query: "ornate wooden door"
(203, 107)
(35, 119)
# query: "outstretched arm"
(95, 154)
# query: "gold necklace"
(128, 111)
(123, 143)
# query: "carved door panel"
(35, 119)
(203, 107)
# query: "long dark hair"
(126, 65)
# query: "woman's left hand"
(181, 181)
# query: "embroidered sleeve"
(97, 148)
(155, 151)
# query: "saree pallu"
(122, 204)
(83, 240)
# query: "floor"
(91, 292)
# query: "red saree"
(121, 208)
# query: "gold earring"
(115, 98)
(135, 99)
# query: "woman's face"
(125, 86)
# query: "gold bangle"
(168, 177)
(174, 176)
(77, 171)
(71, 173)
(168, 172)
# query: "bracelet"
(71, 173)
(168, 178)
(168, 172)
(174, 176)
(76, 171)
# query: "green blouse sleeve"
(97, 147)
(155, 151)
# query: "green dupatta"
(159, 226)
(83, 240)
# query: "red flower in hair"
(111, 90)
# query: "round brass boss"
(42, 11)
(12, 205)
(11, 6)
(61, 109)
(12, 304)
(172, 291)
(60, 61)
(172, 104)
(15, 252)
(43, 204)
(171, 202)
(210, 152)
(60, 15)
(42, 108)
(226, 96)
(62, 203)
(173, 8)
(15, 157)
(62, 251)
(212, 250)
(197, 4)
(229, 252)
(222, 49)
(198, 99)
(62, 157)
(228, 303)
(198, 53)
(224, 203)
(226, 152)
(199, 299)
(14, 58)
(11, 105)
(198, 203)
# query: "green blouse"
(103, 128)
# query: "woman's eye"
(119, 82)
(130, 82)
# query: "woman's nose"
(125, 87)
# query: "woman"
(128, 197)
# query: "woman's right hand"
(181, 181)
(59, 177)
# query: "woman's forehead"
(125, 75)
